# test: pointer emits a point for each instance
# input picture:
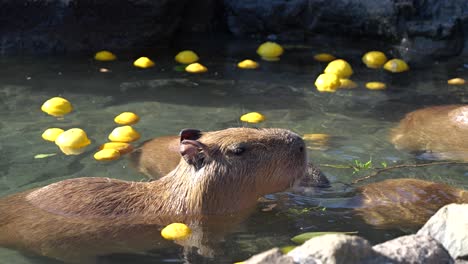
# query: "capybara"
(403, 203)
(221, 174)
(441, 131)
(159, 156)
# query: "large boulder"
(449, 226)
(413, 249)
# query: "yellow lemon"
(176, 231)
(105, 55)
(73, 141)
(327, 82)
(396, 65)
(107, 154)
(456, 81)
(122, 147)
(324, 57)
(270, 51)
(143, 62)
(316, 137)
(253, 117)
(195, 68)
(376, 85)
(127, 118)
(186, 57)
(57, 106)
(374, 59)
(347, 84)
(124, 134)
(51, 134)
(339, 67)
(247, 64)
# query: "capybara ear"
(194, 152)
(189, 133)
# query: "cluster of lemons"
(336, 74)
(75, 140)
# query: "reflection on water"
(358, 122)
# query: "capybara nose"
(296, 142)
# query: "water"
(358, 122)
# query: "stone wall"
(433, 27)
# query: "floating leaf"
(42, 156)
(286, 249)
(180, 68)
(300, 239)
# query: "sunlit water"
(358, 122)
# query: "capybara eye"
(301, 149)
(238, 151)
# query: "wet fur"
(80, 218)
(432, 130)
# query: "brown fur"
(83, 217)
(404, 202)
(440, 130)
(159, 156)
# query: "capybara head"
(259, 161)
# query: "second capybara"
(403, 203)
(440, 131)
(159, 156)
(221, 174)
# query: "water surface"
(357, 120)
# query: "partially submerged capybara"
(221, 173)
(441, 131)
(403, 203)
(159, 156)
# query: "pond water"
(357, 120)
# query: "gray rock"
(449, 226)
(413, 249)
(272, 256)
(335, 248)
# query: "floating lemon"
(270, 51)
(186, 57)
(57, 106)
(396, 65)
(127, 118)
(339, 67)
(456, 81)
(51, 134)
(247, 64)
(124, 134)
(316, 137)
(374, 59)
(107, 155)
(122, 147)
(327, 82)
(376, 85)
(73, 141)
(176, 231)
(347, 84)
(324, 57)
(105, 55)
(253, 117)
(195, 68)
(143, 62)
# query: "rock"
(421, 30)
(449, 226)
(272, 256)
(333, 249)
(413, 249)
(53, 26)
